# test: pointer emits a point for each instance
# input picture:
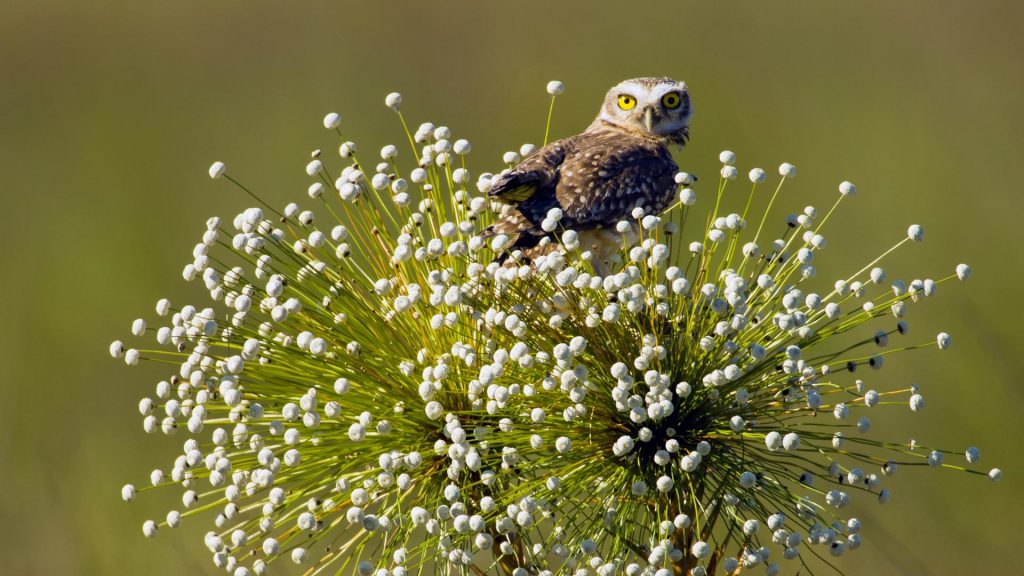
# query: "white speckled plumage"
(596, 178)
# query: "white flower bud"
(217, 170)
(332, 120)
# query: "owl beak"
(649, 119)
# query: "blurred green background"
(110, 113)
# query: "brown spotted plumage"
(597, 178)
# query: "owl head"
(654, 106)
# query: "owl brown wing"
(537, 171)
(602, 182)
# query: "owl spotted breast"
(598, 177)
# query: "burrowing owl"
(597, 178)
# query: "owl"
(597, 178)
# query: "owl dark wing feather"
(537, 171)
(595, 179)
(600, 184)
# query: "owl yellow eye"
(671, 100)
(627, 102)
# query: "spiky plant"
(371, 392)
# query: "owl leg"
(600, 268)
(604, 245)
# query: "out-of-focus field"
(111, 112)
